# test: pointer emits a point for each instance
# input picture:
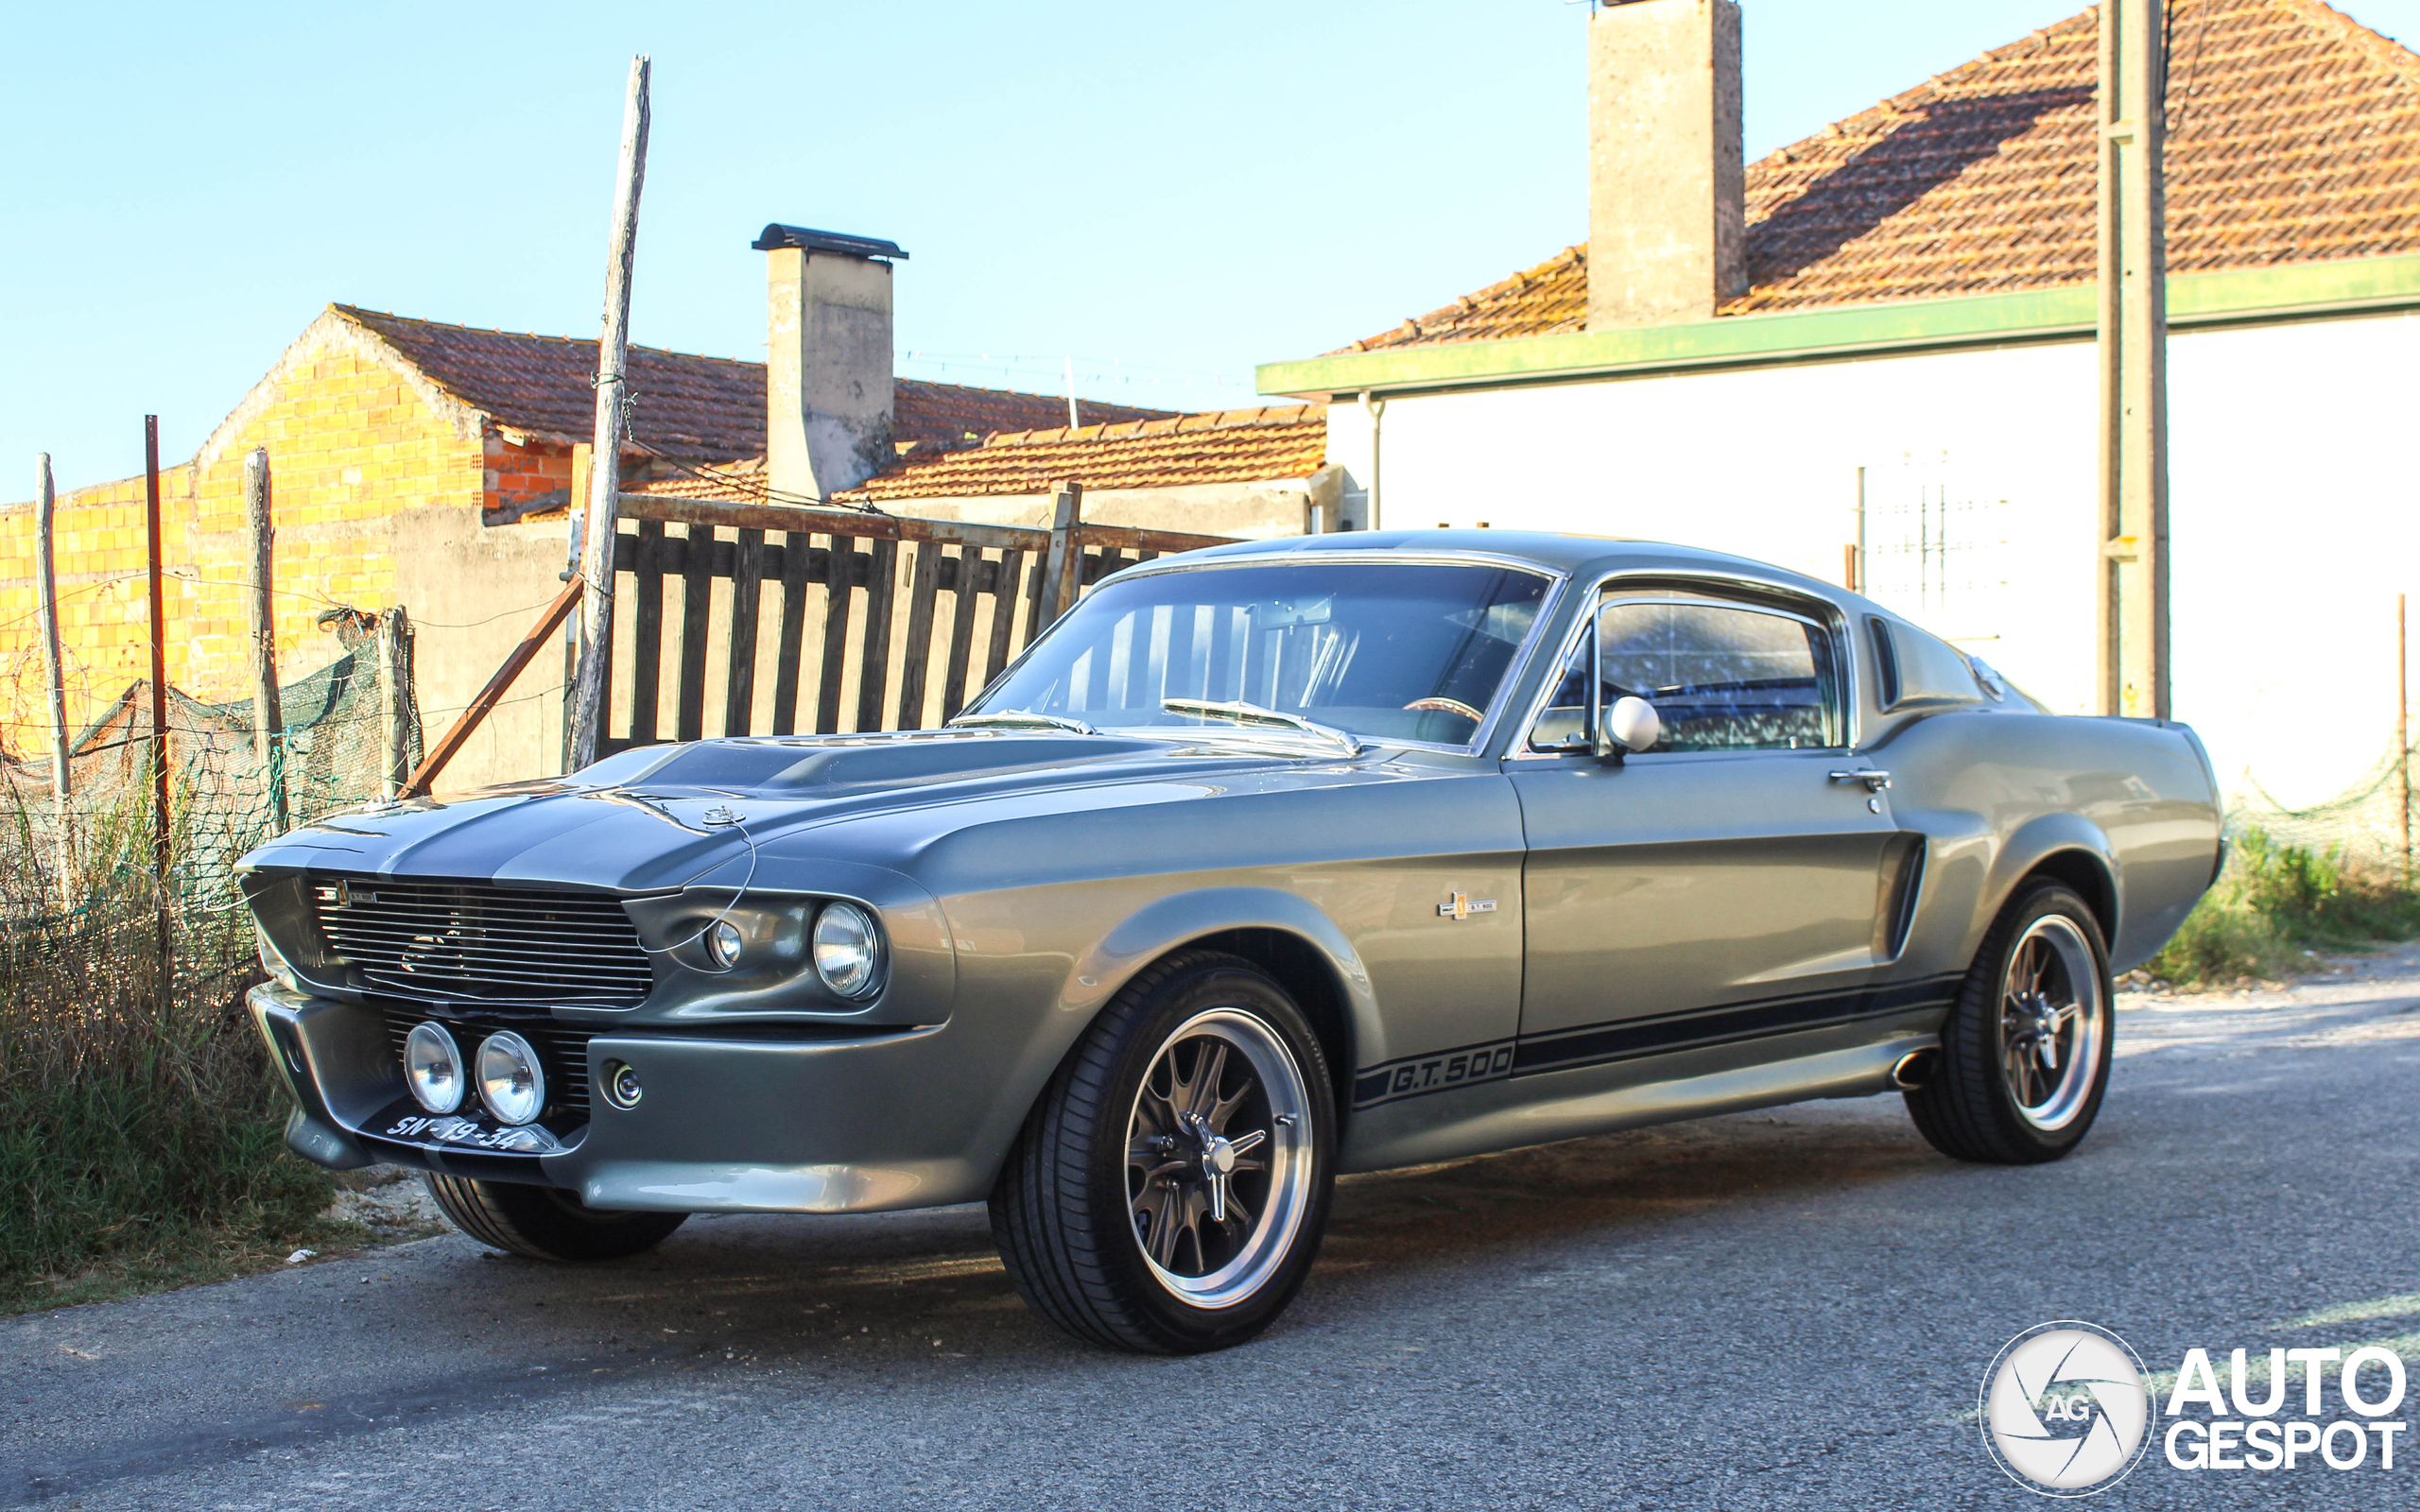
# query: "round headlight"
(848, 950)
(723, 944)
(433, 1068)
(510, 1082)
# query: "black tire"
(1073, 1220)
(1972, 1108)
(545, 1223)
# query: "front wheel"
(544, 1223)
(2024, 1055)
(1168, 1192)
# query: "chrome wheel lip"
(2075, 1029)
(1287, 1149)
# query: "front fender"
(1171, 922)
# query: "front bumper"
(842, 1123)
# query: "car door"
(1731, 882)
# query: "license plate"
(526, 1139)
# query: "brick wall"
(352, 443)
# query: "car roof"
(1576, 554)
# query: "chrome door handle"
(1874, 778)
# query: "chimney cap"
(776, 236)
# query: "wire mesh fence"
(2371, 821)
(103, 955)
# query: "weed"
(2274, 902)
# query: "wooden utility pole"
(613, 418)
(54, 673)
(160, 843)
(268, 720)
(1062, 569)
(2133, 601)
(394, 701)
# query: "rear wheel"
(2024, 1055)
(545, 1223)
(1168, 1192)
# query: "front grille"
(451, 942)
(562, 1053)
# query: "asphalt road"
(1783, 1309)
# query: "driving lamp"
(433, 1068)
(723, 944)
(848, 950)
(510, 1082)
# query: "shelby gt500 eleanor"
(1266, 862)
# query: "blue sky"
(1168, 194)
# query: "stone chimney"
(827, 364)
(1667, 183)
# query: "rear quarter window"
(1919, 668)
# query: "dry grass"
(141, 1126)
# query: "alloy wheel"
(1219, 1157)
(2052, 1023)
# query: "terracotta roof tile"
(2293, 137)
(698, 409)
(1222, 446)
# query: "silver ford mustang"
(1266, 862)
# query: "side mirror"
(1631, 724)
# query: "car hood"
(667, 816)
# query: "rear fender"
(2038, 841)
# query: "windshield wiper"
(1024, 719)
(1252, 714)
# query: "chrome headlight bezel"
(274, 960)
(847, 950)
(433, 1069)
(512, 1081)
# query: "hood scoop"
(797, 768)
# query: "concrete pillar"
(1667, 180)
(827, 369)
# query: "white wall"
(2292, 488)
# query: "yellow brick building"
(413, 463)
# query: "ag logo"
(2066, 1409)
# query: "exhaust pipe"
(1914, 1069)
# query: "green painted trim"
(2299, 291)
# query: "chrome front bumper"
(855, 1123)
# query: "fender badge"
(1464, 906)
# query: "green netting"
(2366, 822)
(347, 733)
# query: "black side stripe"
(1414, 1074)
(1632, 1039)
(1598, 1044)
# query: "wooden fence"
(854, 639)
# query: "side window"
(1722, 677)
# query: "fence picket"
(875, 677)
(840, 578)
(797, 560)
(915, 666)
(646, 638)
(962, 632)
(740, 680)
(1004, 612)
(697, 582)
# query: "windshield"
(1385, 650)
